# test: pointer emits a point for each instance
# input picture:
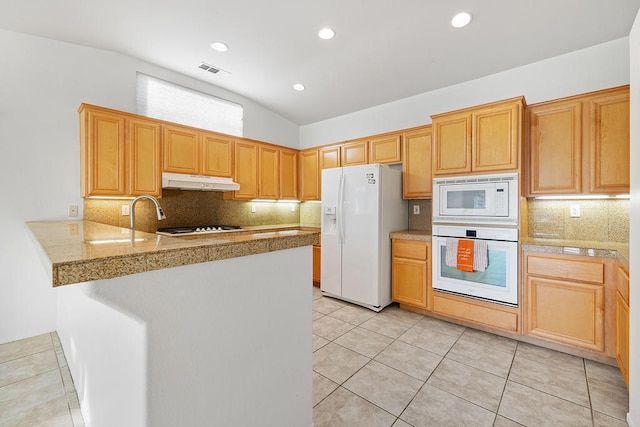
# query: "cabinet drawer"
(585, 271)
(471, 312)
(622, 283)
(409, 249)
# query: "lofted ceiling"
(383, 50)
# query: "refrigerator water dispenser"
(329, 220)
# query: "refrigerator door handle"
(340, 215)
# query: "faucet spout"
(132, 212)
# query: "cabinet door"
(410, 277)
(103, 153)
(555, 148)
(288, 174)
(309, 175)
(316, 264)
(609, 144)
(269, 172)
(330, 157)
(452, 144)
(417, 179)
(246, 170)
(385, 149)
(181, 150)
(566, 312)
(409, 282)
(622, 336)
(496, 138)
(355, 153)
(217, 155)
(144, 147)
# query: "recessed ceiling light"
(219, 46)
(462, 19)
(326, 33)
(299, 87)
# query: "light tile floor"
(36, 388)
(392, 368)
(397, 368)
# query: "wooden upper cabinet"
(102, 138)
(217, 155)
(452, 144)
(288, 174)
(246, 169)
(330, 157)
(417, 180)
(355, 153)
(181, 150)
(555, 148)
(120, 153)
(609, 143)
(496, 137)
(386, 149)
(486, 138)
(144, 137)
(309, 174)
(579, 144)
(269, 172)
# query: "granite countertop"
(616, 250)
(423, 236)
(80, 251)
(619, 251)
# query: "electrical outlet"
(253, 208)
(416, 209)
(574, 211)
(73, 210)
(125, 210)
(293, 207)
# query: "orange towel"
(465, 255)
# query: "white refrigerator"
(361, 205)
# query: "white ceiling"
(383, 50)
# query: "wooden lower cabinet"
(316, 265)
(483, 313)
(565, 300)
(411, 278)
(622, 322)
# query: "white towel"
(480, 255)
(452, 252)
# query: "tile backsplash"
(604, 220)
(184, 208)
(422, 221)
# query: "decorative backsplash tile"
(184, 208)
(422, 221)
(600, 220)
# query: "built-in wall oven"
(499, 280)
(475, 218)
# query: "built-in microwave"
(480, 199)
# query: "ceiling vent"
(209, 68)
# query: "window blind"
(163, 100)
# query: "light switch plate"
(416, 209)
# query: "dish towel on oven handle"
(465, 255)
(480, 254)
(452, 252)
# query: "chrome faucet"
(132, 212)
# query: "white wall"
(594, 68)
(634, 236)
(42, 84)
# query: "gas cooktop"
(202, 229)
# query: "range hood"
(179, 181)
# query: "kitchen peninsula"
(164, 331)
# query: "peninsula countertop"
(81, 251)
